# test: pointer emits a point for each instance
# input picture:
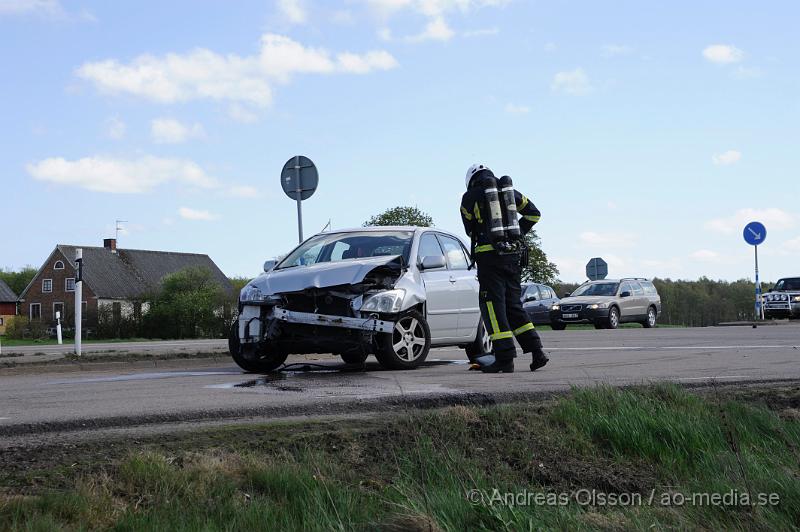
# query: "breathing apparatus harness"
(502, 221)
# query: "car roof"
(618, 280)
(381, 228)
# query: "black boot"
(539, 360)
(499, 366)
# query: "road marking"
(714, 378)
(147, 376)
(682, 347)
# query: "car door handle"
(452, 279)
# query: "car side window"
(637, 289)
(649, 288)
(454, 252)
(428, 247)
(532, 293)
(550, 293)
(625, 287)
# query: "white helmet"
(474, 169)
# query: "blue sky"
(648, 133)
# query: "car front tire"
(558, 325)
(252, 359)
(407, 346)
(612, 322)
(353, 358)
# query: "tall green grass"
(412, 472)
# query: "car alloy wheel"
(651, 318)
(613, 318)
(408, 338)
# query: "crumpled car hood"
(322, 275)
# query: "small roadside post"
(299, 179)
(596, 269)
(58, 327)
(754, 234)
(78, 299)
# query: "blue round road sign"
(755, 233)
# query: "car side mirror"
(625, 294)
(432, 262)
(531, 298)
(269, 265)
(566, 294)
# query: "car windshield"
(335, 247)
(596, 289)
(788, 284)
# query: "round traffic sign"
(299, 177)
(755, 233)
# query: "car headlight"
(250, 293)
(596, 306)
(388, 302)
(555, 307)
(796, 299)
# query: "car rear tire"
(650, 322)
(354, 358)
(407, 346)
(612, 322)
(252, 359)
(482, 345)
(599, 326)
(558, 325)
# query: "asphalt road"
(38, 401)
(166, 346)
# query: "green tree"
(401, 216)
(538, 269)
(190, 304)
(238, 283)
(18, 280)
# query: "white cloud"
(617, 240)
(792, 245)
(612, 50)
(192, 214)
(436, 30)
(293, 10)
(517, 109)
(723, 54)
(14, 7)
(242, 114)
(204, 74)
(116, 128)
(385, 34)
(705, 255)
(772, 218)
(105, 174)
(571, 82)
(171, 131)
(726, 158)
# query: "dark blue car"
(537, 300)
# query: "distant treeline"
(700, 303)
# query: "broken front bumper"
(250, 326)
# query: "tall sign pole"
(299, 179)
(754, 234)
(78, 299)
(299, 196)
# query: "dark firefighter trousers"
(501, 306)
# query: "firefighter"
(499, 251)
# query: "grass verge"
(605, 458)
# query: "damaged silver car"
(392, 292)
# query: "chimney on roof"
(110, 244)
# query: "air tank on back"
(495, 222)
(509, 206)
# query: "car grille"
(571, 308)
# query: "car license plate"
(569, 316)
